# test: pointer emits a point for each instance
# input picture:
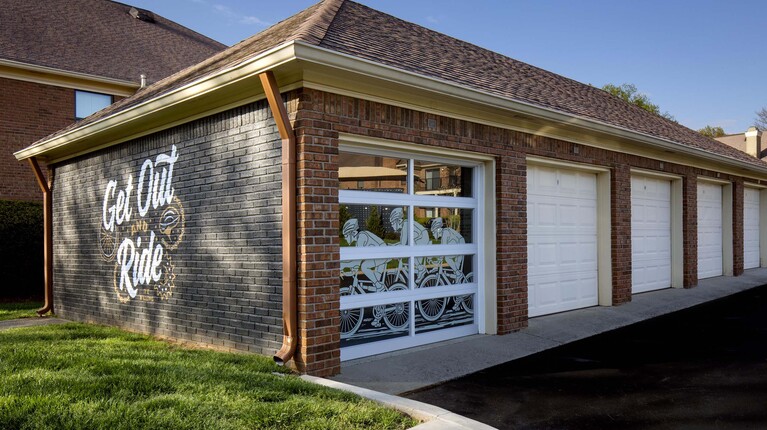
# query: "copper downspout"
(47, 233)
(289, 294)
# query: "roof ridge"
(314, 29)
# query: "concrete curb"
(432, 416)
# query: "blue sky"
(703, 61)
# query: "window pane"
(372, 173)
(440, 179)
(443, 270)
(447, 226)
(373, 276)
(87, 103)
(372, 225)
(374, 323)
(444, 312)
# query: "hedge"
(21, 250)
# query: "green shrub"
(21, 249)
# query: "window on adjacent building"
(432, 179)
(87, 103)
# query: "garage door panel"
(709, 230)
(751, 234)
(650, 233)
(553, 294)
(562, 245)
(561, 255)
(546, 214)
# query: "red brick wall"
(318, 243)
(737, 232)
(28, 112)
(690, 230)
(620, 214)
(511, 241)
(321, 116)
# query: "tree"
(374, 223)
(761, 119)
(712, 132)
(630, 94)
(344, 214)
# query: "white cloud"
(253, 20)
(225, 10)
(235, 16)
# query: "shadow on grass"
(84, 376)
(19, 309)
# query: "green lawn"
(11, 311)
(76, 376)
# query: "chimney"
(754, 142)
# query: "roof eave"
(66, 78)
(298, 50)
(335, 59)
(153, 114)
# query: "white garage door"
(650, 234)
(751, 228)
(709, 230)
(561, 240)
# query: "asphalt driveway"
(701, 368)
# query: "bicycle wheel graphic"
(397, 315)
(468, 300)
(431, 309)
(351, 320)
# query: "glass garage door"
(408, 228)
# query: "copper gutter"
(289, 293)
(47, 233)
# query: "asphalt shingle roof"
(98, 37)
(351, 28)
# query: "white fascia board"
(69, 74)
(335, 59)
(153, 106)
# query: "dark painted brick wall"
(218, 281)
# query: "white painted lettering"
(125, 256)
(109, 224)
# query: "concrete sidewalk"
(412, 369)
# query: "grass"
(14, 310)
(77, 376)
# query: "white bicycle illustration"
(439, 275)
(396, 316)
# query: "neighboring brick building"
(61, 60)
(56, 53)
(441, 190)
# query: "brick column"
(737, 227)
(690, 228)
(620, 212)
(318, 244)
(511, 253)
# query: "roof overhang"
(217, 92)
(298, 64)
(63, 78)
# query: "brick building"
(346, 183)
(61, 60)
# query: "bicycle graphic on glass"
(391, 275)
